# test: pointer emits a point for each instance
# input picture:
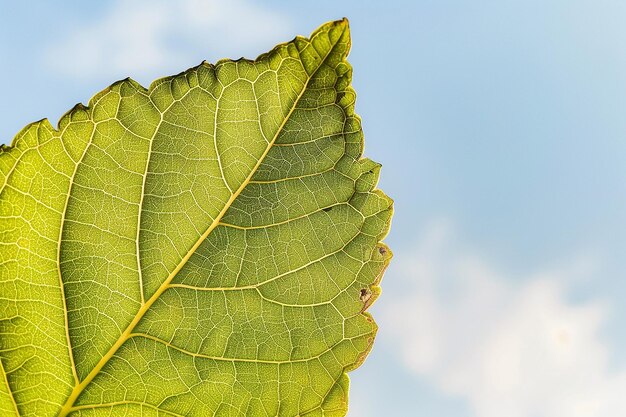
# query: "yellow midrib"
(10, 393)
(78, 389)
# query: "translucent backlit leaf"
(204, 247)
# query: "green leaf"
(205, 247)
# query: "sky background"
(501, 127)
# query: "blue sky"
(501, 129)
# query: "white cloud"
(149, 38)
(511, 346)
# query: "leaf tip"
(343, 22)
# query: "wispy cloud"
(149, 38)
(511, 346)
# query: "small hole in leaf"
(365, 294)
(327, 209)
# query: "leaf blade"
(355, 217)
